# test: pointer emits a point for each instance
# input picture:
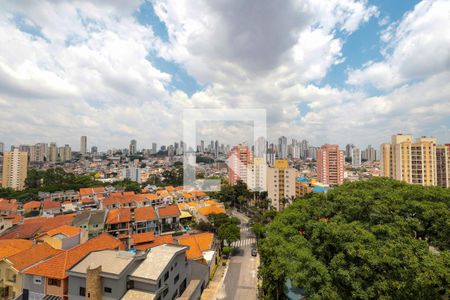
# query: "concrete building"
(83, 145)
(15, 167)
(356, 157)
(103, 275)
(132, 173)
(39, 152)
(260, 147)
(133, 147)
(281, 184)
(414, 162)
(2, 147)
(257, 175)
(240, 156)
(53, 152)
(282, 148)
(442, 166)
(370, 154)
(330, 164)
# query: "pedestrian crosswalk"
(244, 242)
(244, 229)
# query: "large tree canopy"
(377, 239)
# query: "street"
(241, 278)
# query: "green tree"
(375, 239)
(229, 232)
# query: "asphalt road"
(241, 278)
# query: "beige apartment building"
(15, 165)
(281, 184)
(257, 175)
(421, 162)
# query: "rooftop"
(13, 246)
(112, 261)
(169, 211)
(138, 295)
(156, 261)
(118, 215)
(31, 256)
(66, 230)
(145, 213)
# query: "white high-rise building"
(356, 157)
(83, 145)
(260, 147)
(133, 147)
(257, 175)
(282, 147)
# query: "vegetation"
(50, 180)
(376, 239)
(226, 227)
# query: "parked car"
(254, 252)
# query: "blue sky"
(117, 71)
(359, 47)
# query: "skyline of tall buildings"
(83, 145)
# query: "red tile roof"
(57, 266)
(146, 237)
(32, 205)
(122, 200)
(146, 213)
(31, 256)
(169, 211)
(67, 230)
(159, 240)
(197, 244)
(13, 246)
(118, 215)
(8, 205)
(48, 204)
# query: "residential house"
(64, 237)
(145, 241)
(169, 217)
(11, 267)
(91, 220)
(50, 278)
(32, 208)
(8, 206)
(51, 208)
(109, 268)
(118, 222)
(145, 219)
(164, 274)
(13, 246)
(93, 193)
(202, 248)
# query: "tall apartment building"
(2, 147)
(356, 157)
(282, 147)
(53, 152)
(239, 157)
(15, 166)
(281, 184)
(330, 164)
(260, 147)
(133, 147)
(65, 153)
(421, 162)
(154, 148)
(83, 145)
(370, 154)
(442, 166)
(39, 152)
(257, 175)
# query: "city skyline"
(359, 69)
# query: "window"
(159, 283)
(165, 292)
(37, 279)
(82, 291)
(54, 282)
(175, 280)
(166, 276)
(107, 290)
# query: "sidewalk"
(214, 285)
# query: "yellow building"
(414, 162)
(15, 167)
(281, 184)
(10, 268)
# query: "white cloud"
(89, 74)
(416, 48)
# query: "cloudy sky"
(335, 71)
